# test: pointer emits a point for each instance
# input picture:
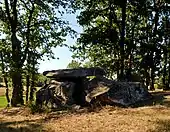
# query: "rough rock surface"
(114, 92)
(75, 88)
(55, 94)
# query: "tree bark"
(169, 75)
(6, 81)
(32, 87)
(152, 79)
(167, 55)
(27, 86)
(17, 94)
(7, 91)
(122, 41)
(168, 85)
(147, 77)
(165, 71)
(33, 79)
(156, 19)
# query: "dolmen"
(87, 86)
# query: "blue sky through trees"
(62, 53)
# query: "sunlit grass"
(3, 101)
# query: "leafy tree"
(32, 27)
(125, 37)
(4, 59)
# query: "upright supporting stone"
(79, 91)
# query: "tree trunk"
(147, 76)
(130, 67)
(17, 62)
(167, 55)
(5, 80)
(156, 19)
(33, 79)
(27, 86)
(17, 94)
(7, 91)
(152, 79)
(131, 52)
(169, 73)
(32, 87)
(123, 39)
(165, 71)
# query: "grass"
(155, 118)
(3, 102)
(108, 119)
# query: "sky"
(62, 52)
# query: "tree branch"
(28, 33)
(8, 12)
(115, 19)
(15, 20)
(25, 4)
(3, 16)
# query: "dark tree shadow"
(161, 98)
(21, 126)
(163, 126)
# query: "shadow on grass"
(21, 126)
(161, 98)
(162, 126)
(33, 125)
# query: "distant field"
(3, 101)
(2, 91)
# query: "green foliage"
(3, 102)
(41, 78)
(145, 48)
(34, 108)
(74, 64)
(31, 29)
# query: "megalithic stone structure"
(71, 86)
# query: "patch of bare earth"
(109, 119)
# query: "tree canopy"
(126, 37)
(30, 29)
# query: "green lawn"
(3, 101)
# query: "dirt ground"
(109, 119)
(155, 118)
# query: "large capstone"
(69, 74)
